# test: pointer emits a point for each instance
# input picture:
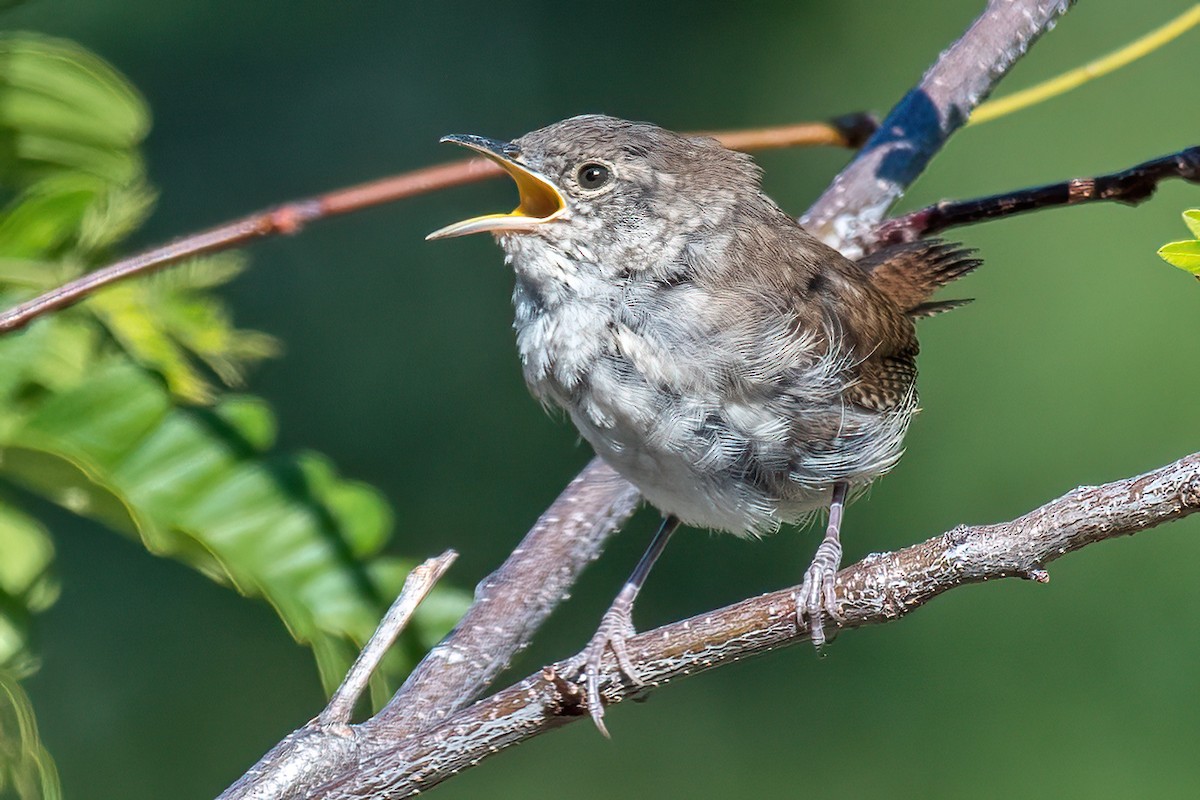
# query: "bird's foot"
(816, 597)
(615, 629)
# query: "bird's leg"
(617, 625)
(816, 597)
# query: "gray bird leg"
(816, 597)
(617, 625)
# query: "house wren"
(735, 369)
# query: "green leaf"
(164, 323)
(1191, 218)
(63, 108)
(30, 273)
(27, 771)
(115, 214)
(28, 554)
(94, 400)
(47, 216)
(48, 356)
(1185, 255)
(193, 486)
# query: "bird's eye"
(592, 175)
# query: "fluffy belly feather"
(741, 468)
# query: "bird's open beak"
(540, 202)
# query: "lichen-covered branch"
(880, 588)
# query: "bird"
(738, 371)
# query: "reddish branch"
(1130, 186)
(847, 131)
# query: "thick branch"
(880, 588)
(510, 604)
(513, 602)
(859, 198)
(1130, 186)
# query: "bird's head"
(597, 183)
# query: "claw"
(595, 708)
(615, 628)
(817, 597)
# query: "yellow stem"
(1101, 66)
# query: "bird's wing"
(832, 297)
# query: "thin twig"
(850, 130)
(881, 588)
(417, 586)
(859, 198)
(290, 218)
(1130, 186)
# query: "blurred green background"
(1076, 365)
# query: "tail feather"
(910, 273)
(932, 309)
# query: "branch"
(846, 131)
(881, 588)
(510, 605)
(859, 198)
(417, 585)
(1131, 186)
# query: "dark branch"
(1130, 186)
